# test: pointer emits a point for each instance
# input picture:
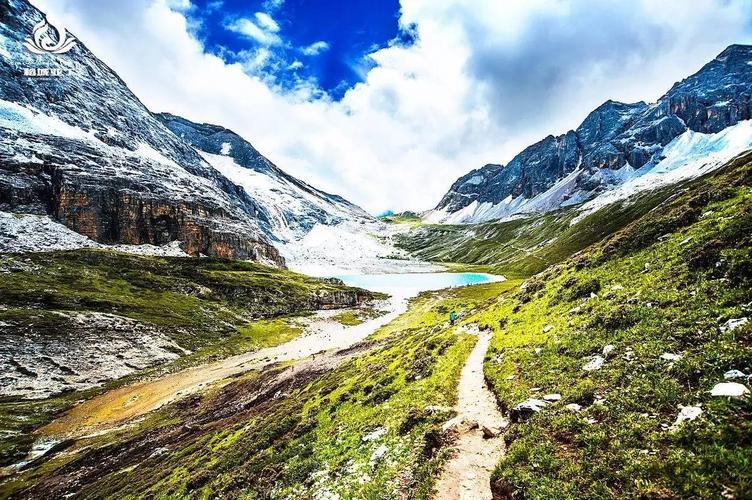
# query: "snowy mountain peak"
(80, 148)
(614, 144)
(291, 206)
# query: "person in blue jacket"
(452, 317)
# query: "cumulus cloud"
(270, 5)
(258, 31)
(214, 6)
(182, 5)
(483, 80)
(267, 22)
(315, 48)
(552, 56)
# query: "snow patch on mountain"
(560, 194)
(475, 180)
(186, 185)
(350, 248)
(32, 121)
(148, 152)
(3, 51)
(690, 155)
(289, 208)
(318, 234)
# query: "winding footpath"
(467, 474)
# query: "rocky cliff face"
(81, 148)
(615, 142)
(291, 206)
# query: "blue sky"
(289, 41)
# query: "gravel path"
(467, 475)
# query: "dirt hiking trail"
(478, 425)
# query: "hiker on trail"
(452, 317)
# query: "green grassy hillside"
(525, 246)
(659, 294)
(196, 301)
(210, 308)
(362, 424)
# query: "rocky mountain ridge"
(615, 143)
(82, 149)
(291, 206)
(79, 148)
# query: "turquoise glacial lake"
(412, 283)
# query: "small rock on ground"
(731, 389)
(594, 363)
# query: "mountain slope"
(616, 143)
(634, 335)
(291, 206)
(523, 246)
(74, 323)
(82, 149)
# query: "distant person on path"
(452, 317)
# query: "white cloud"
(267, 22)
(315, 48)
(182, 5)
(485, 79)
(248, 28)
(295, 65)
(256, 60)
(213, 6)
(270, 5)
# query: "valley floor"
(620, 371)
(319, 334)
(382, 418)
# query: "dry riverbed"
(113, 408)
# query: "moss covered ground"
(214, 308)
(368, 428)
(665, 284)
(354, 317)
(348, 318)
(196, 301)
